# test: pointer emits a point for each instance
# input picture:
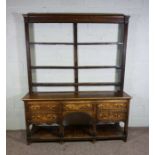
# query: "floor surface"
(137, 144)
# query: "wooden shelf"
(52, 67)
(100, 43)
(82, 43)
(75, 19)
(72, 67)
(81, 132)
(77, 84)
(51, 43)
(77, 132)
(108, 131)
(44, 133)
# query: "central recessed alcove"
(77, 125)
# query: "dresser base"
(76, 117)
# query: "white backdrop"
(136, 76)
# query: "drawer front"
(113, 116)
(112, 110)
(120, 105)
(40, 112)
(86, 107)
(78, 106)
(41, 118)
(39, 107)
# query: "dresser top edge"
(74, 96)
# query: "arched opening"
(77, 118)
(78, 124)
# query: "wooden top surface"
(75, 17)
(73, 96)
(82, 14)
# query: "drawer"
(113, 105)
(113, 116)
(77, 106)
(41, 118)
(37, 107)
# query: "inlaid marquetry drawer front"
(43, 112)
(113, 104)
(112, 110)
(39, 107)
(77, 106)
(111, 116)
(44, 118)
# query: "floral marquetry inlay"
(44, 118)
(111, 116)
(112, 105)
(33, 107)
(78, 107)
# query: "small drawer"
(113, 105)
(113, 116)
(46, 118)
(78, 106)
(37, 107)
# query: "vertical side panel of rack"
(121, 53)
(75, 57)
(26, 22)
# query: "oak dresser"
(77, 115)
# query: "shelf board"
(51, 43)
(98, 67)
(78, 84)
(77, 132)
(100, 43)
(109, 131)
(72, 67)
(82, 43)
(45, 133)
(52, 67)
